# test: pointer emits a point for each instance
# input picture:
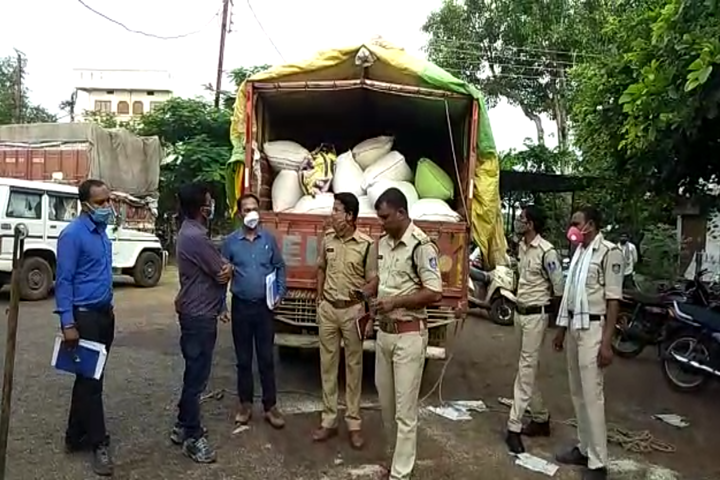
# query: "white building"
(124, 93)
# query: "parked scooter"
(691, 351)
(493, 291)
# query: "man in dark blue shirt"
(84, 295)
(204, 275)
(254, 254)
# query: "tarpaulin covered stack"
(391, 65)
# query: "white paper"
(672, 419)
(536, 464)
(271, 293)
(451, 412)
(99, 347)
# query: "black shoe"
(514, 443)
(177, 434)
(595, 474)
(199, 450)
(537, 429)
(572, 457)
(102, 463)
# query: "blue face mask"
(102, 215)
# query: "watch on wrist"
(69, 325)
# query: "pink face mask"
(575, 235)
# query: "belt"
(532, 309)
(593, 317)
(339, 304)
(402, 327)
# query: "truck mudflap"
(296, 340)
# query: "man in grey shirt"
(204, 275)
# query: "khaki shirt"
(604, 278)
(396, 273)
(540, 273)
(347, 264)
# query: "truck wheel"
(147, 270)
(36, 279)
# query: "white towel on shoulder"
(577, 278)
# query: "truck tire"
(147, 270)
(36, 279)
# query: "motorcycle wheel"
(623, 346)
(682, 378)
(502, 311)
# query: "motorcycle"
(641, 322)
(691, 352)
(493, 291)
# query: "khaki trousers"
(586, 389)
(399, 363)
(335, 324)
(526, 394)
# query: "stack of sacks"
(347, 175)
(367, 208)
(320, 204)
(433, 210)
(379, 187)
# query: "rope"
(635, 441)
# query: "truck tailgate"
(299, 237)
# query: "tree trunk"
(538, 124)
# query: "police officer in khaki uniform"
(540, 282)
(343, 268)
(408, 281)
(588, 314)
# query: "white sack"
(390, 167)
(367, 208)
(348, 175)
(368, 152)
(434, 210)
(320, 204)
(285, 155)
(286, 190)
(407, 188)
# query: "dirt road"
(144, 374)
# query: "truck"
(68, 153)
(343, 97)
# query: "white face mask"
(251, 220)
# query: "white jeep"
(45, 209)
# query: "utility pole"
(221, 56)
(18, 88)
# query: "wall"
(148, 98)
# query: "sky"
(58, 36)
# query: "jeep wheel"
(147, 270)
(36, 279)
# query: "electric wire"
(267, 35)
(147, 34)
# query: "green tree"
(647, 109)
(12, 71)
(520, 50)
(237, 76)
(197, 139)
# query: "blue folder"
(87, 359)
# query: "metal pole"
(221, 56)
(10, 344)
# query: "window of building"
(154, 105)
(110, 92)
(150, 94)
(138, 108)
(24, 204)
(123, 108)
(104, 106)
(62, 208)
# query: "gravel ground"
(143, 378)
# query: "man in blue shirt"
(254, 254)
(84, 298)
(204, 275)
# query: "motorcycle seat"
(647, 299)
(706, 317)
